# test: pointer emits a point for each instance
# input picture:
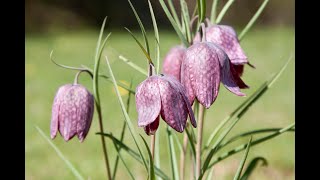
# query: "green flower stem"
(199, 140)
(152, 144)
(183, 154)
(97, 99)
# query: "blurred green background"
(71, 29)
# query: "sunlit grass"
(267, 49)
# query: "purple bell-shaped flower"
(226, 37)
(162, 95)
(72, 112)
(204, 65)
(172, 61)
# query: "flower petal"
(151, 128)
(172, 61)
(68, 114)
(173, 110)
(85, 108)
(235, 73)
(225, 36)
(178, 87)
(227, 77)
(206, 70)
(186, 82)
(148, 102)
(55, 111)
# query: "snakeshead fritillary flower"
(172, 61)
(165, 96)
(72, 112)
(203, 67)
(227, 39)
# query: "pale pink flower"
(162, 95)
(72, 112)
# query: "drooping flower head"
(172, 61)
(162, 95)
(72, 112)
(226, 37)
(204, 65)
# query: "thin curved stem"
(183, 154)
(152, 144)
(78, 74)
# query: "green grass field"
(267, 48)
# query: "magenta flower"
(227, 39)
(72, 112)
(162, 95)
(172, 61)
(203, 67)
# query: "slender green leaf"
(191, 142)
(122, 134)
(156, 34)
(124, 86)
(249, 133)
(177, 141)
(209, 177)
(151, 168)
(252, 165)
(127, 118)
(174, 12)
(157, 152)
(174, 24)
(253, 20)
(201, 10)
(214, 11)
(132, 153)
(255, 142)
(224, 10)
(174, 165)
(97, 65)
(243, 107)
(133, 65)
(238, 173)
(186, 19)
(122, 160)
(214, 147)
(64, 66)
(65, 160)
(141, 27)
(145, 52)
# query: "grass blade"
(145, 52)
(186, 19)
(243, 107)
(156, 34)
(191, 142)
(255, 142)
(214, 11)
(133, 154)
(214, 147)
(157, 152)
(252, 165)
(201, 10)
(65, 160)
(174, 24)
(253, 19)
(224, 10)
(174, 12)
(237, 176)
(249, 133)
(124, 86)
(122, 160)
(122, 135)
(209, 177)
(133, 65)
(141, 27)
(127, 118)
(174, 165)
(151, 168)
